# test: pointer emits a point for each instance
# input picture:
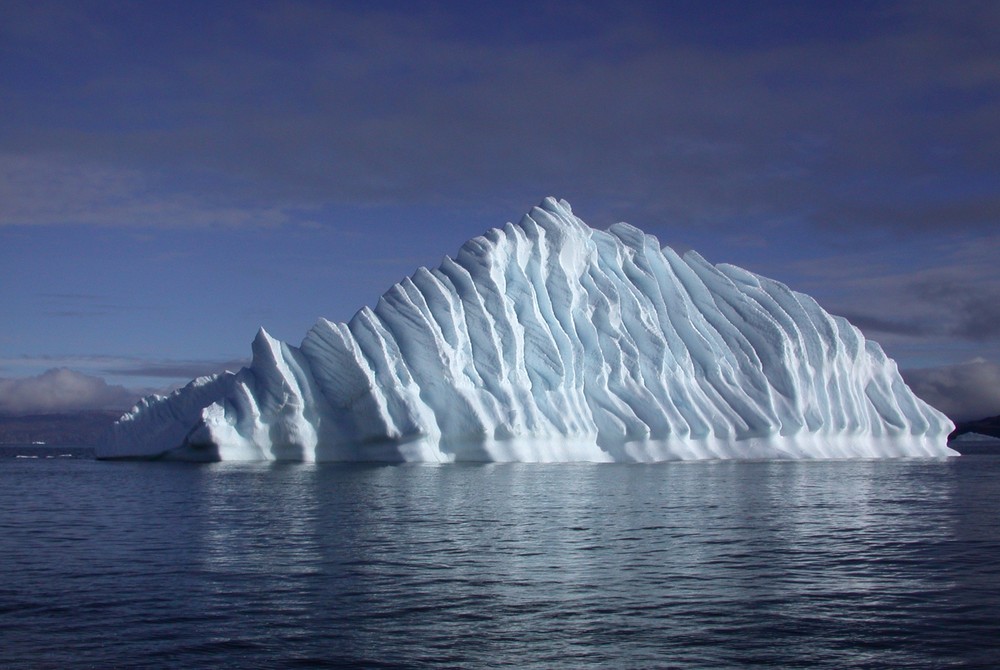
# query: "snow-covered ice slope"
(551, 341)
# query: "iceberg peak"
(548, 340)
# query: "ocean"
(822, 564)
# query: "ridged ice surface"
(551, 341)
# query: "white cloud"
(61, 390)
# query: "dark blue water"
(864, 564)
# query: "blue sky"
(174, 175)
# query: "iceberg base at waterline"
(565, 450)
(547, 341)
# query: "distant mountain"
(77, 428)
(989, 426)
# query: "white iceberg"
(551, 341)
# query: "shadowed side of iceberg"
(550, 341)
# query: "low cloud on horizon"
(63, 390)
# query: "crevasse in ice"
(551, 341)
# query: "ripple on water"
(824, 564)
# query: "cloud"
(177, 369)
(882, 118)
(952, 290)
(123, 366)
(59, 188)
(962, 309)
(971, 311)
(62, 390)
(964, 392)
(875, 324)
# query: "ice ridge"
(551, 341)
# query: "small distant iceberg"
(548, 340)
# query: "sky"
(175, 175)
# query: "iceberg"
(552, 341)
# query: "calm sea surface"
(839, 564)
